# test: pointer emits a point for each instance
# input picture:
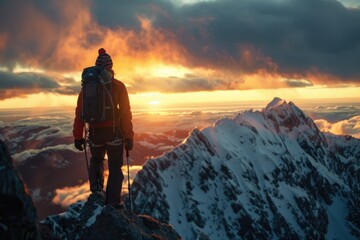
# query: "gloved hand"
(129, 144)
(79, 144)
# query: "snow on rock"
(267, 174)
(275, 103)
(95, 220)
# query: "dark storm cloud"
(22, 38)
(31, 31)
(123, 13)
(298, 83)
(68, 90)
(20, 84)
(26, 80)
(287, 37)
(296, 36)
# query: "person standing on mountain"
(110, 135)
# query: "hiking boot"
(96, 188)
(119, 206)
(101, 193)
(98, 196)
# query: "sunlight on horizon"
(168, 100)
(154, 103)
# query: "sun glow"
(150, 70)
(169, 71)
(154, 103)
(21, 69)
(151, 100)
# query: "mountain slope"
(266, 174)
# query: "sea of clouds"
(41, 141)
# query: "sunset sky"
(176, 52)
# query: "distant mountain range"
(267, 174)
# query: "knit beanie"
(104, 59)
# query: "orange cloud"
(69, 195)
(70, 40)
(3, 40)
(76, 48)
(345, 127)
(219, 50)
(129, 49)
(329, 80)
(19, 93)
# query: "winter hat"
(104, 59)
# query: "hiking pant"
(106, 141)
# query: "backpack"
(97, 101)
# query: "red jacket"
(121, 99)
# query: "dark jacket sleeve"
(125, 115)
(78, 126)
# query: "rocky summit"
(95, 220)
(268, 174)
(91, 219)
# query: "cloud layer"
(69, 195)
(345, 127)
(24, 83)
(225, 44)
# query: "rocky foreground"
(83, 220)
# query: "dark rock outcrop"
(95, 220)
(17, 212)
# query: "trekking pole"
(86, 157)
(129, 188)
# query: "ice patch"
(92, 219)
(337, 228)
(36, 194)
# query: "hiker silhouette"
(103, 110)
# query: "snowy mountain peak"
(267, 174)
(275, 102)
(284, 109)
